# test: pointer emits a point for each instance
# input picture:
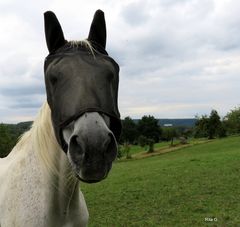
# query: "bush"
(124, 150)
(151, 145)
(127, 148)
(120, 152)
(183, 140)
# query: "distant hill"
(17, 129)
(178, 122)
(188, 122)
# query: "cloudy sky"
(178, 58)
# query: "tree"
(129, 131)
(214, 124)
(232, 121)
(210, 127)
(148, 127)
(201, 127)
(168, 134)
(142, 141)
(6, 141)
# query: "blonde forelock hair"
(83, 43)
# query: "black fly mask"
(80, 77)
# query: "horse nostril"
(73, 141)
(75, 145)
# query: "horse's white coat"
(37, 188)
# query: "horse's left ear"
(97, 31)
(53, 32)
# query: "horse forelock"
(82, 43)
(77, 44)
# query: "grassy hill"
(194, 186)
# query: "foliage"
(142, 141)
(214, 123)
(9, 134)
(6, 141)
(222, 130)
(168, 133)
(176, 189)
(151, 145)
(232, 121)
(201, 127)
(129, 131)
(148, 127)
(187, 133)
(210, 127)
(183, 140)
(120, 152)
(124, 150)
(127, 148)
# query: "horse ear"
(53, 32)
(97, 31)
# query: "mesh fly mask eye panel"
(77, 82)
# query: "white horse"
(40, 177)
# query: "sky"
(178, 58)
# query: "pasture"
(193, 186)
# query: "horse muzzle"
(91, 155)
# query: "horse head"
(82, 90)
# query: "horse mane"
(42, 137)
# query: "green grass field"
(194, 186)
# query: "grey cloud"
(26, 104)
(135, 14)
(177, 57)
(23, 90)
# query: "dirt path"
(167, 149)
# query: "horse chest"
(29, 199)
(22, 197)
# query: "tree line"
(147, 130)
(213, 126)
(9, 134)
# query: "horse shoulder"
(22, 191)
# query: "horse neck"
(57, 174)
(64, 188)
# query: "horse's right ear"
(53, 32)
